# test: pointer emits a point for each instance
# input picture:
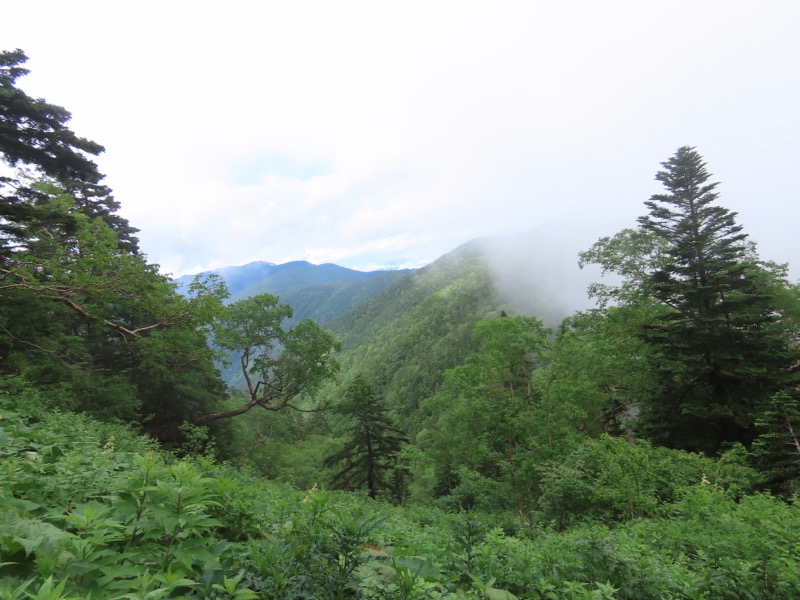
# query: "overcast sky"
(374, 134)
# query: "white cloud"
(392, 133)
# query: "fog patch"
(536, 273)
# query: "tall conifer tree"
(718, 352)
(371, 453)
(34, 134)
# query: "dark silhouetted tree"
(34, 134)
(719, 350)
(370, 456)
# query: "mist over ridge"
(536, 273)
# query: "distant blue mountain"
(320, 292)
(237, 278)
(292, 276)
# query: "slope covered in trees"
(406, 337)
(316, 292)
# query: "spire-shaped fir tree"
(720, 352)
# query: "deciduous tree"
(492, 426)
(100, 326)
(278, 365)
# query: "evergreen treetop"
(34, 134)
(705, 247)
(719, 352)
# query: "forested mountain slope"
(327, 300)
(317, 292)
(407, 336)
(408, 326)
(292, 277)
(647, 448)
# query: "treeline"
(691, 354)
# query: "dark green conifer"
(371, 453)
(34, 134)
(719, 353)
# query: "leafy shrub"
(613, 479)
(89, 510)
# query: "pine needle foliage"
(719, 350)
(370, 455)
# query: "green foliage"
(777, 448)
(720, 343)
(491, 425)
(83, 317)
(326, 301)
(100, 519)
(89, 510)
(96, 325)
(34, 134)
(632, 255)
(278, 365)
(598, 369)
(370, 455)
(699, 352)
(613, 479)
(719, 352)
(419, 327)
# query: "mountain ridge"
(290, 280)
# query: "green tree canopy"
(34, 134)
(493, 425)
(82, 313)
(631, 255)
(279, 366)
(86, 318)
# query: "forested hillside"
(434, 439)
(406, 337)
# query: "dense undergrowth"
(92, 510)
